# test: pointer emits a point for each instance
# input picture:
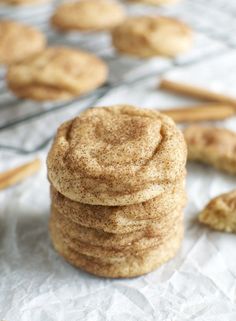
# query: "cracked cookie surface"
(88, 15)
(57, 73)
(118, 266)
(149, 36)
(118, 155)
(220, 213)
(123, 219)
(213, 146)
(19, 41)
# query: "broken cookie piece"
(220, 213)
(213, 146)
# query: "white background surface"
(37, 285)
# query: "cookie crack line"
(72, 169)
(42, 78)
(117, 222)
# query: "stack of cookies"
(117, 186)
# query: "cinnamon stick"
(196, 92)
(204, 112)
(18, 174)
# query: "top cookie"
(116, 155)
(88, 15)
(57, 73)
(148, 36)
(18, 41)
(156, 2)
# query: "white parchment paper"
(37, 285)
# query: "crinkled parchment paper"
(38, 285)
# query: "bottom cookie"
(120, 267)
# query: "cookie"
(22, 2)
(97, 243)
(220, 213)
(149, 36)
(213, 146)
(155, 2)
(88, 15)
(57, 73)
(116, 267)
(137, 240)
(118, 155)
(121, 219)
(18, 41)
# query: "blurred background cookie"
(148, 36)
(57, 73)
(220, 213)
(22, 2)
(18, 41)
(88, 15)
(213, 146)
(156, 2)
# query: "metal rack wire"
(213, 22)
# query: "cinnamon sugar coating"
(97, 243)
(116, 155)
(19, 41)
(151, 214)
(57, 73)
(213, 146)
(117, 188)
(220, 213)
(125, 266)
(148, 36)
(88, 15)
(152, 235)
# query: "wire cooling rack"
(212, 20)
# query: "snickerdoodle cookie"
(151, 214)
(116, 155)
(130, 265)
(101, 243)
(18, 41)
(57, 73)
(213, 146)
(88, 15)
(220, 213)
(148, 36)
(156, 2)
